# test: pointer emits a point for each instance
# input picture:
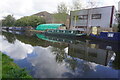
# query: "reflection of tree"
(88, 66)
(59, 52)
(76, 64)
(10, 37)
(33, 40)
(72, 64)
(116, 62)
(60, 56)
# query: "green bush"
(11, 70)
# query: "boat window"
(110, 34)
(55, 31)
(49, 31)
(64, 31)
(52, 30)
(74, 31)
(71, 31)
(78, 32)
(60, 31)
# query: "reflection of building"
(91, 54)
(102, 18)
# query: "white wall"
(119, 6)
(105, 17)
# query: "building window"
(83, 17)
(96, 16)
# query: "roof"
(94, 8)
(43, 27)
(41, 13)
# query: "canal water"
(56, 57)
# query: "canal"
(55, 57)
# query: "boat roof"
(48, 26)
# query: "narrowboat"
(18, 28)
(107, 36)
(58, 30)
(65, 33)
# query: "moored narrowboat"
(107, 36)
(58, 30)
(65, 33)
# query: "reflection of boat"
(14, 28)
(87, 50)
(43, 37)
(95, 44)
(58, 39)
(15, 32)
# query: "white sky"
(20, 8)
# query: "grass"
(11, 70)
(0, 65)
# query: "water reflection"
(98, 56)
(57, 57)
(45, 64)
(18, 50)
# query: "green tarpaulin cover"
(44, 27)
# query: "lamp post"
(0, 26)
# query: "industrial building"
(94, 20)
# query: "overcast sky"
(20, 8)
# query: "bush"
(11, 70)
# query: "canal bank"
(12, 70)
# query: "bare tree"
(92, 4)
(77, 5)
(62, 8)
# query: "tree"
(8, 21)
(30, 21)
(60, 17)
(76, 5)
(92, 4)
(62, 14)
(62, 8)
(36, 20)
